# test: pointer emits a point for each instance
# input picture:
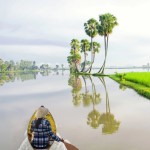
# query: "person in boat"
(41, 130)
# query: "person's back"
(41, 131)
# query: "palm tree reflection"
(76, 84)
(107, 119)
(94, 115)
(12, 76)
(86, 96)
(95, 118)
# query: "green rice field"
(138, 77)
(139, 81)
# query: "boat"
(25, 145)
(54, 145)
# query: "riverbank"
(139, 81)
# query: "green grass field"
(138, 77)
(139, 81)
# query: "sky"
(42, 30)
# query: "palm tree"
(75, 47)
(91, 30)
(85, 46)
(105, 28)
(74, 60)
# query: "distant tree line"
(22, 65)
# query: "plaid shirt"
(42, 134)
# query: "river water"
(92, 113)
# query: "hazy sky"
(41, 30)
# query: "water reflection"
(25, 76)
(107, 119)
(45, 73)
(11, 77)
(76, 84)
(88, 97)
(122, 87)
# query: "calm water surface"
(92, 113)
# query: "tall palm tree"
(75, 45)
(85, 47)
(105, 28)
(91, 30)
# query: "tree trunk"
(92, 62)
(77, 70)
(84, 62)
(76, 67)
(89, 69)
(106, 53)
(106, 50)
(100, 70)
